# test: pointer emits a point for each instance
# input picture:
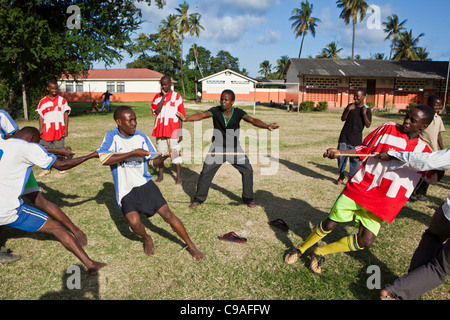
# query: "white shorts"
(163, 145)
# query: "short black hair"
(429, 112)
(233, 97)
(432, 99)
(52, 81)
(119, 111)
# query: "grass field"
(301, 193)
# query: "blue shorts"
(30, 219)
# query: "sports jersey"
(226, 132)
(377, 187)
(132, 172)
(167, 123)
(7, 124)
(17, 158)
(52, 111)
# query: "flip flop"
(233, 237)
(280, 224)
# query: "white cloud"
(269, 37)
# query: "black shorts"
(146, 199)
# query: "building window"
(69, 87)
(79, 87)
(120, 87)
(111, 87)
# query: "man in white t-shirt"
(18, 153)
(127, 152)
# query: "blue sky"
(258, 30)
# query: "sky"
(258, 30)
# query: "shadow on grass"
(107, 196)
(89, 287)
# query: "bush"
(370, 104)
(411, 105)
(322, 106)
(307, 106)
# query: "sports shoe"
(45, 173)
(6, 257)
(316, 263)
(292, 256)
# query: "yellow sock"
(346, 244)
(317, 234)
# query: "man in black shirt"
(225, 146)
(356, 116)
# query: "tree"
(393, 27)
(330, 51)
(194, 21)
(183, 28)
(281, 67)
(303, 22)
(406, 46)
(168, 33)
(351, 10)
(266, 69)
(37, 43)
(422, 54)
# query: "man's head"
(359, 97)
(52, 88)
(435, 102)
(30, 134)
(126, 120)
(166, 84)
(417, 119)
(227, 99)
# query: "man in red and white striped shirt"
(376, 192)
(167, 130)
(53, 113)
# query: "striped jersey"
(167, 123)
(52, 111)
(17, 158)
(132, 172)
(377, 187)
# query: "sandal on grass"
(280, 224)
(233, 237)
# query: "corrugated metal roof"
(119, 74)
(371, 68)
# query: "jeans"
(342, 161)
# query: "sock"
(346, 244)
(317, 234)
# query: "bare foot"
(160, 178)
(178, 181)
(97, 266)
(196, 254)
(149, 248)
(386, 295)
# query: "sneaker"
(62, 172)
(44, 173)
(6, 257)
(292, 256)
(194, 205)
(316, 263)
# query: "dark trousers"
(430, 263)
(210, 167)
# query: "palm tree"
(330, 51)
(183, 28)
(406, 46)
(303, 22)
(351, 9)
(423, 54)
(281, 67)
(194, 22)
(168, 32)
(393, 28)
(266, 69)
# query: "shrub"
(322, 106)
(307, 106)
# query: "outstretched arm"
(69, 164)
(141, 153)
(260, 124)
(194, 117)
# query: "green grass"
(301, 193)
